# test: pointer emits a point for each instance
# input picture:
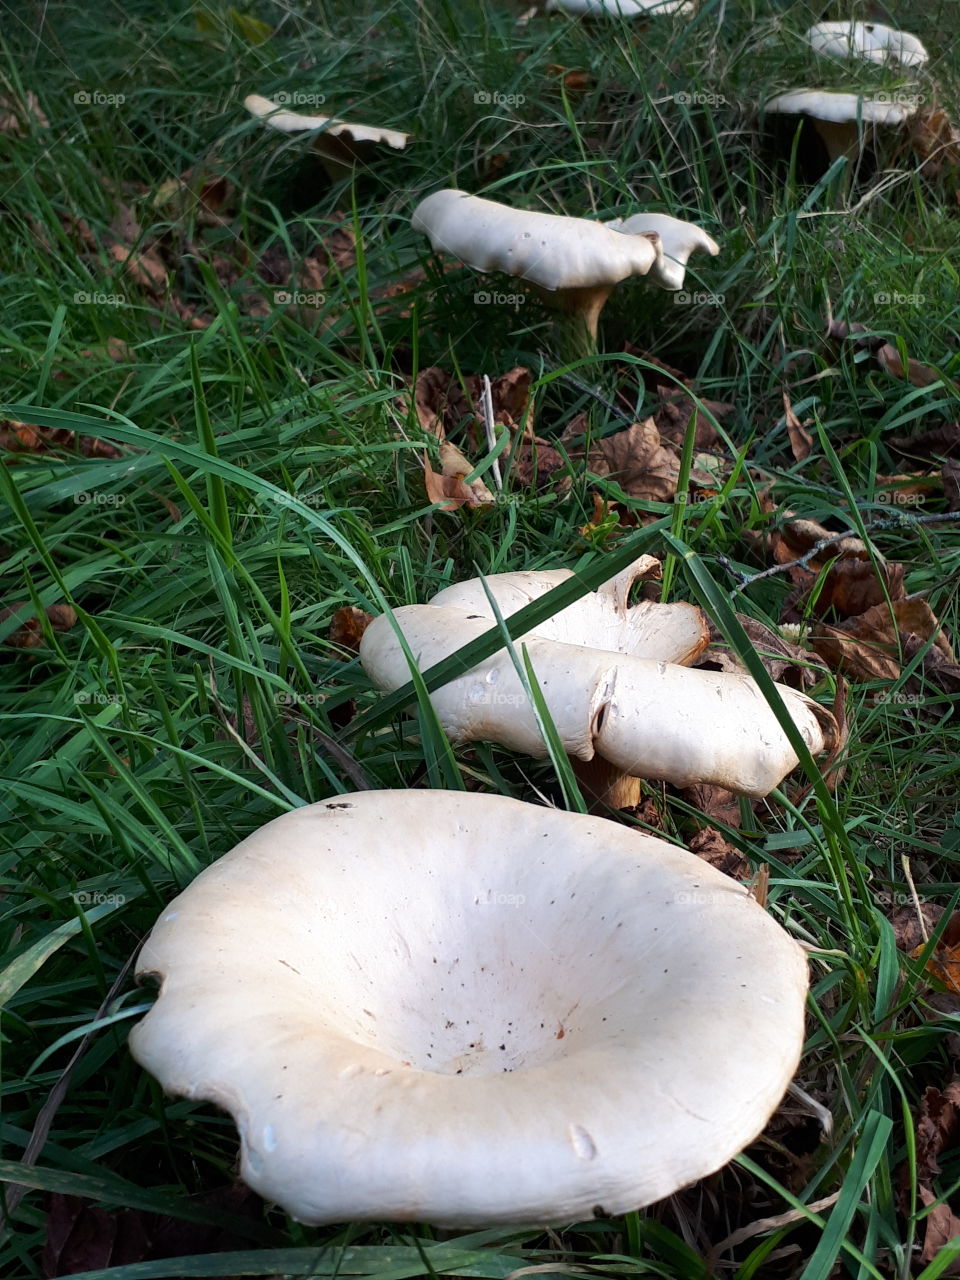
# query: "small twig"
(908, 876)
(902, 520)
(489, 426)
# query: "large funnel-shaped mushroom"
(467, 1010)
(613, 682)
(574, 263)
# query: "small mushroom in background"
(868, 41)
(614, 680)
(339, 145)
(573, 263)
(621, 8)
(467, 1010)
(678, 240)
(844, 120)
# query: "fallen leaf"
(448, 487)
(26, 437)
(944, 961)
(715, 802)
(852, 584)
(442, 407)
(941, 1227)
(714, 849)
(28, 634)
(920, 375)
(801, 441)
(785, 662)
(638, 461)
(347, 627)
(943, 440)
(908, 927)
(951, 484)
(935, 139)
(870, 645)
(145, 268)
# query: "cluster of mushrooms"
(469, 1010)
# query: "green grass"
(121, 776)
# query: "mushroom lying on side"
(339, 145)
(678, 241)
(466, 1010)
(621, 8)
(573, 262)
(612, 679)
(869, 41)
(838, 117)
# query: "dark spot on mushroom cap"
(599, 1211)
(339, 806)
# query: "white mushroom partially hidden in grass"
(574, 263)
(868, 41)
(338, 143)
(612, 677)
(621, 8)
(844, 120)
(466, 1010)
(678, 241)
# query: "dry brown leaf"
(442, 408)
(943, 440)
(852, 583)
(935, 138)
(26, 437)
(713, 801)
(28, 634)
(145, 268)
(534, 462)
(785, 662)
(449, 486)
(638, 461)
(951, 484)
(18, 116)
(908, 927)
(347, 627)
(801, 441)
(941, 1227)
(869, 646)
(711, 846)
(920, 375)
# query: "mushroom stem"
(840, 139)
(604, 786)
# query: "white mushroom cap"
(870, 41)
(277, 117)
(678, 239)
(630, 704)
(842, 108)
(622, 8)
(549, 250)
(467, 1010)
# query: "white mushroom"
(614, 688)
(837, 117)
(678, 240)
(467, 1010)
(575, 262)
(338, 144)
(869, 41)
(621, 8)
